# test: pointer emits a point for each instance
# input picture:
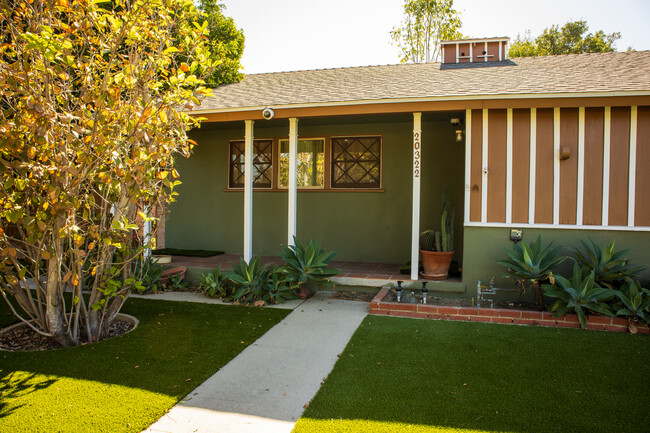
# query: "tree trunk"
(55, 315)
(540, 295)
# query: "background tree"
(225, 42)
(92, 98)
(572, 38)
(426, 23)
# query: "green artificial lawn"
(185, 253)
(434, 376)
(126, 383)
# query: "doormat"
(185, 253)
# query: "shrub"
(253, 283)
(610, 268)
(214, 284)
(149, 273)
(532, 263)
(634, 302)
(579, 294)
(309, 263)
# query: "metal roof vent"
(475, 50)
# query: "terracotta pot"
(436, 264)
(168, 273)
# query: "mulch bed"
(353, 296)
(409, 298)
(25, 339)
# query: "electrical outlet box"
(516, 235)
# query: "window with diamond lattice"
(356, 162)
(262, 164)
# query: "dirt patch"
(22, 338)
(353, 296)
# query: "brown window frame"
(273, 166)
(268, 173)
(356, 162)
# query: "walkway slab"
(266, 387)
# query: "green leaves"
(610, 267)
(572, 38)
(635, 301)
(532, 262)
(580, 294)
(426, 23)
(253, 282)
(308, 263)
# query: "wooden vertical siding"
(569, 167)
(594, 147)
(642, 189)
(618, 164)
(496, 200)
(544, 167)
(477, 169)
(520, 164)
(582, 182)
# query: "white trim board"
(631, 189)
(468, 163)
(484, 167)
(559, 226)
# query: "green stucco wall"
(367, 226)
(484, 245)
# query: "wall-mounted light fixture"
(457, 122)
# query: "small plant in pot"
(437, 248)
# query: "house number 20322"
(416, 154)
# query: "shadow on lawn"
(14, 386)
(176, 346)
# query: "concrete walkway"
(265, 388)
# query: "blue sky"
(288, 35)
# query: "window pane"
(356, 162)
(310, 162)
(262, 164)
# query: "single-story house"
(359, 157)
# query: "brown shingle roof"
(577, 73)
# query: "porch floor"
(370, 274)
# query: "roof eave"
(452, 98)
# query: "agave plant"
(635, 302)
(248, 279)
(253, 282)
(308, 263)
(532, 263)
(579, 294)
(610, 268)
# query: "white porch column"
(293, 179)
(248, 191)
(146, 232)
(417, 170)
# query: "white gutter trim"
(426, 99)
(631, 189)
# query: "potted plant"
(437, 248)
